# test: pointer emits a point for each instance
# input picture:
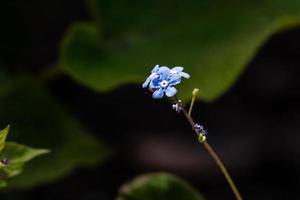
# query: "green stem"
(223, 169)
(214, 155)
(194, 94)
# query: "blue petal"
(171, 91)
(174, 80)
(155, 69)
(177, 69)
(158, 94)
(164, 69)
(146, 83)
(150, 78)
(154, 83)
(163, 72)
(183, 74)
(153, 76)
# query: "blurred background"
(103, 137)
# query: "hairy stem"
(215, 157)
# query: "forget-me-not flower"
(162, 81)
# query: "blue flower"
(162, 80)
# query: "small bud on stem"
(5, 161)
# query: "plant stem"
(215, 157)
(194, 94)
(192, 105)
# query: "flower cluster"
(199, 129)
(162, 81)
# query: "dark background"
(254, 126)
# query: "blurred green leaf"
(158, 186)
(2, 184)
(3, 135)
(18, 155)
(40, 121)
(213, 40)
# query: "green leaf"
(213, 40)
(40, 121)
(3, 135)
(18, 155)
(158, 186)
(2, 184)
